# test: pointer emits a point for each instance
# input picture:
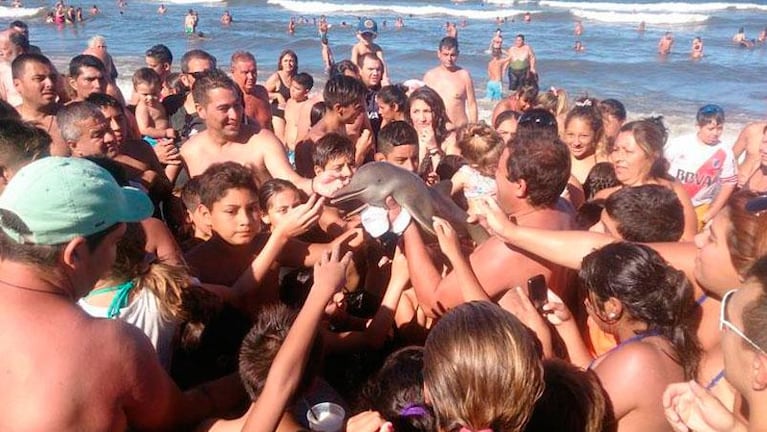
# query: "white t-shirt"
(702, 169)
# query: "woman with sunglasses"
(716, 261)
(742, 320)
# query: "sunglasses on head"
(200, 74)
(537, 119)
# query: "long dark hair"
(439, 114)
(651, 291)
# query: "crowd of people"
(214, 254)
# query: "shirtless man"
(453, 84)
(159, 59)
(97, 47)
(496, 43)
(226, 18)
(522, 63)
(124, 386)
(35, 79)
(451, 30)
(86, 75)
(190, 23)
(528, 190)
(227, 139)
(245, 74)
(367, 31)
(12, 44)
(578, 28)
(749, 140)
(665, 43)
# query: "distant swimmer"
(641, 27)
(528, 17)
(226, 18)
(578, 28)
(451, 30)
(579, 46)
(762, 36)
(741, 39)
(162, 9)
(665, 43)
(292, 25)
(399, 23)
(95, 10)
(697, 48)
(190, 23)
(496, 43)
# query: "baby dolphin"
(375, 181)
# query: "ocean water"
(619, 62)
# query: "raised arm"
(471, 99)
(288, 366)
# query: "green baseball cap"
(55, 199)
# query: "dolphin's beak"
(346, 194)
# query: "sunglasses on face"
(724, 322)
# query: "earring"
(612, 315)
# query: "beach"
(619, 62)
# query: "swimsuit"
(477, 185)
(494, 92)
(285, 92)
(518, 71)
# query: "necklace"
(42, 291)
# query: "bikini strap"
(119, 301)
(715, 380)
(632, 339)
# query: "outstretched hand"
(327, 183)
(447, 238)
(300, 218)
(330, 272)
(690, 407)
(490, 215)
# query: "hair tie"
(554, 91)
(583, 103)
(413, 410)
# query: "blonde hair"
(481, 146)
(482, 369)
(554, 101)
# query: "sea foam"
(631, 17)
(319, 7)
(22, 12)
(665, 7)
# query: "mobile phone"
(537, 290)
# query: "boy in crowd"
(706, 168)
(334, 152)
(150, 114)
(367, 31)
(398, 145)
(299, 94)
(343, 96)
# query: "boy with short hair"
(398, 145)
(150, 114)
(299, 93)
(200, 230)
(707, 170)
(367, 31)
(334, 152)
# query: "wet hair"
(161, 53)
(482, 369)
(396, 392)
(332, 146)
(543, 161)
(591, 115)
(19, 63)
(650, 291)
(553, 100)
(755, 312)
(395, 134)
(646, 214)
(19, 40)
(271, 188)
(538, 122)
(220, 178)
(69, 117)
(747, 232)
(528, 93)
(196, 54)
(19, 25)
(317, 112)
(439, 115)
(304, 80)
(395, 94)
(650, 135)
(242, 56)
(448, 42)
(81, 61)
(343, 90)
(504, 116)
(573, 400)
(21, 143)
(173, 82)
(213, 80)
(146, 76)
(601, 176)
(190, 193)
(710, 114)
(103, 100)
(284, 53)
(262, 343)
(612, 107)
(340, 68)
(481, 146)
